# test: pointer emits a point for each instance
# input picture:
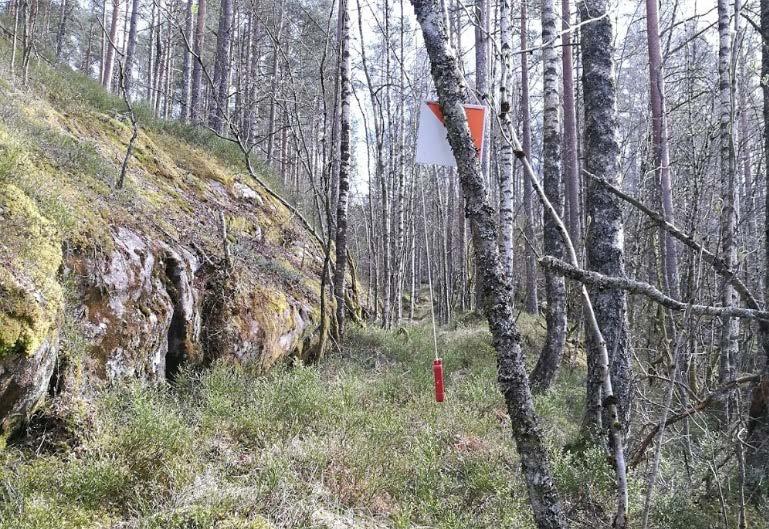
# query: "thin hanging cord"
(429, 267)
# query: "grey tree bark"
(660, 142)
(513, 381)
(506, 215)
(531, 304)
(605, 234)
(555, 287)
(482, 89)
(757, 450)
(130, 56)
(217, 115)
(196, 97)
(344, 167)
(727, 169)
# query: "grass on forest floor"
(355, 442)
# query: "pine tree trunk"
(555, 286)
(274, 86)
(196, 97)
(104, 43)
(184, 110)
(61, 32)
(110, 48)
(513, 381)
(605, 234)
(757, 443)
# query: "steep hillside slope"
(112, 284)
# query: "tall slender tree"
(757, 457)
(660, 143)
(62, 31)
(506, 162)
(130, 56)
(109, 54)
(221, 88)
(555, 286)
(569, 151)
(727, 170)
(605, 235)
(196, 97)
(184, 110)
(547, 509)
(530, 291)
(344, 167)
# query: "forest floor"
(356, 441)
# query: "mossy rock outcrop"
(30, 303)
(115, 284)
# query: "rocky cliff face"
(99, 285)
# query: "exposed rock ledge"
(129, 284)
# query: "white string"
(429, 267)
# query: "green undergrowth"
(72, 91)
(356, 441)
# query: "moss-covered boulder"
(118, 284)
(30, 303)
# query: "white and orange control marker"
(432, 143)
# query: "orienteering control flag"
(432, 143)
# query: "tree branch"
(594, 279)
(698, 406)
(718, 264)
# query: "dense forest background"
(625, 151)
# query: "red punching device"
(438, 375)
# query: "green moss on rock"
(30, 256)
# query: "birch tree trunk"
(513, 381)
(730, 326)
(531, 304)
(130, 56)
(344, 168)
(550, 358)
(506, 216)
(605, 234)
